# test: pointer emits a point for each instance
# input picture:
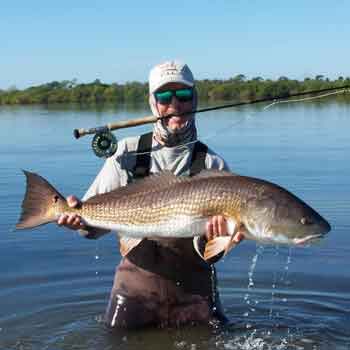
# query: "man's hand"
(72, 221)
(217, 226)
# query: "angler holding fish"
(172, 228)
(159, 282)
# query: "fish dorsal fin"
(208, 173)
(127, 244)
(152, 183)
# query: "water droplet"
(180, 344)
(96, 257)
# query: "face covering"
(170, 138)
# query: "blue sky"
(119, 41)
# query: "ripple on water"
(52, 299)
(80, 326)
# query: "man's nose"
(175, 102)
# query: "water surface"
(55, 284)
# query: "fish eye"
(55, 198)
(306, 221)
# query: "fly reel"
(104, 144)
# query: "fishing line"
(104, 143)
(267, 99)
(274, 103)
(305, 99)
(250, 115)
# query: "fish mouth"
(308, 239)
(323, 228)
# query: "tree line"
(238, 89)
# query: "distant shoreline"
(238, 89)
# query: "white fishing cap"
(169, 72)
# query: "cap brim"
(172, 80)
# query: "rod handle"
(114, 126)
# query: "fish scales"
(195, 198)
(168, 206)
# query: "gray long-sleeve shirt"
(155, 283)
(117, 170)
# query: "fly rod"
(104, 142)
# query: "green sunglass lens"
(164, 96)
(184, 94)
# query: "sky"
(120, 40)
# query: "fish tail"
(38, 203)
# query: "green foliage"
(238, 88)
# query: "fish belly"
(180, 226)
(269, 238)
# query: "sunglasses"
(182, 95)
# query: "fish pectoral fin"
(233, 228)
(216, 246)
(126, 244)
(231, 244)
(225, 243)
(236, 237)
(221, 244)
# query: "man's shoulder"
(130, 144)
(127, 152)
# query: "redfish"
(165, 206)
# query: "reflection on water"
(55, 284)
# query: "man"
(160, 283)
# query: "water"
(55, 284)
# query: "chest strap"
(199, 154)
(143, 158)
